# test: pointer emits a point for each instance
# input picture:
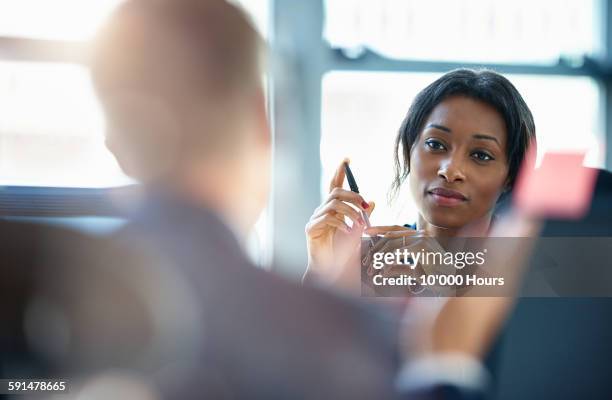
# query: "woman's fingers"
(376, 230)
(323, 222)
(348, 197)
(336, 207)
(404, 233)
(337, 192)
(382, 230)
(386, 244)
(338, 178)
(391, 242)
(371, 207)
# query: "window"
(73, 20)
(518, 31)
(51, 128)
(51, 125)
(78, 20)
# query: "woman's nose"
(451, 170)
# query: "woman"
(460, 147)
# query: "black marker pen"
(353, 185)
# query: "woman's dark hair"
(484, 85)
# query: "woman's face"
(458, 165)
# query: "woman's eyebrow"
(485, 137)
(440, 127)
(475, 136)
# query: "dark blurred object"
(559, 348)
(72, 305)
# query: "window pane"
(466, 30)
(53, 19)
(79, 19)
(361, 113)
(51, 128)
(567, 114)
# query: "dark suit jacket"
(263, 337)
(172, 296)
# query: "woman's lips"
(447, 197)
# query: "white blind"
(517, 31)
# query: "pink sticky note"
(560, 188)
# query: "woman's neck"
(478, 228)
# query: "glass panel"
(567, 114)
(361, 113)
(465, 30)
(55, 19)
(51, 128)
(79, 19)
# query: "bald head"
(176, 78)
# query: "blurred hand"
(468, 325)
(333, 245)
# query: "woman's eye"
(482, 156)
(434, 144)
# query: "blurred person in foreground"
(180, 83)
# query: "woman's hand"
(333, 245)
(391, 239)
(391, 231)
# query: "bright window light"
(79, 20)
(517, 31)
(51, 125)
(53, 19)
(52, 129)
